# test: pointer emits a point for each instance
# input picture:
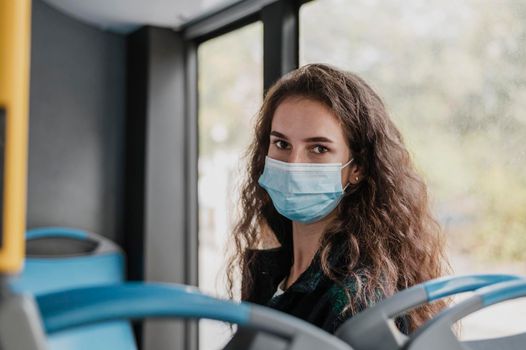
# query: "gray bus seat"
(437, 333)
(75, 308)
(375, 329)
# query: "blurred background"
(453, 77)
(141, 112)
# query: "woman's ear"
(355, 174)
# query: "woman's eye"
(320, 149)
(281, 144)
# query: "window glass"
(230, 91)
(453, 76)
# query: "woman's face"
(306, 131)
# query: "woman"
(331, 181)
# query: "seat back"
(59, 258)
(437, 333)
(375, 329)
(512, 342)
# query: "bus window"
(452, 74)
(230, 87)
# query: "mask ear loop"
(349, 162)
(343, 166)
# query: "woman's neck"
(306, 241)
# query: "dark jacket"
(313, 297)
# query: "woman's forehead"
(301, 118)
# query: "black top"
(313, 297)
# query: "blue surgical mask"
(304, 192)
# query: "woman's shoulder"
(341, 294)
(267, 268)
(349, 285)
(338, 295)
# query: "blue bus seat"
(437, 333)
(59, 258)
(379, 319)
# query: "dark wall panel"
(76, 148)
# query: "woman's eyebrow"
(310, 139)
(278, 134)
(318, 139)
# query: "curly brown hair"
(384, 224)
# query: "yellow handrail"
(15, 24)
